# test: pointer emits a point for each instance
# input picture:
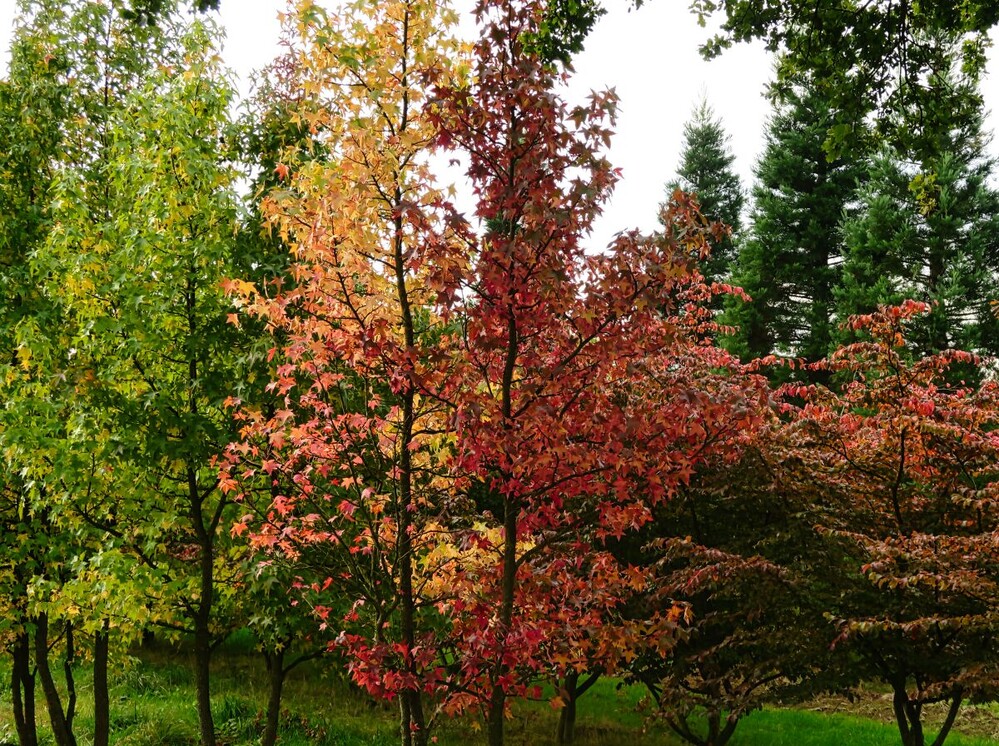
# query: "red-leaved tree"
(466, 418)
(899, 473)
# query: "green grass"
(152, 705)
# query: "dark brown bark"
(23, 692)
(413, 724)
(955, 705)
(102, 700)
(573, 690)
(61, 724)
(908, 715)
(497, 703)
(275, 675)
(566, 733)
(202, 680)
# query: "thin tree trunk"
(574, 690)
(908, 716)
(102, 700)
(275, 674)
(497, 702)
(67, 669)
(202, 679)
(567, 717)
(955, 705)
(61, 728)
(413, 722)
(23, 692)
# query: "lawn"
(152, 705)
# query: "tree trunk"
(275, 675)
(567, 717)
(102, 701)
(23, 692)
(61, 725)
(955, 705)
(573, 690)
(202, 679)
(908, 715)
(497, 702)
(494, 717)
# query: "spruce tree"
(928, 229)
(706, 169)
(789, 260)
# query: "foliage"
(927, 227)
(705, 170)
(897, 472)
(789, 260)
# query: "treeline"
(458, 455)
(834, 234)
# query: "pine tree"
(706, 169)
(928, 229)
(788, 263)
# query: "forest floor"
(152, 705)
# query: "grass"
(152, 705)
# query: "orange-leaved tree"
(465, 417)
(356, 453)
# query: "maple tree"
(353, 452)
(897, 472)
(143, 218)
(586, 397)
(425, 373)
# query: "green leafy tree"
(143, 235)
(41, 556)
(789, 261)
(870, 58)
(706, 170)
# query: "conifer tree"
(788, 263)
(928, 229)
(706, 170)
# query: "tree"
(458, 411)
(706, 171)
(875, 58)
(927, 227)
(355, 456)
(789, 261)
(143, 224)
(49, 556)
(753, 631)
(898, 474)
(570, 416)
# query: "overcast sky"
(649, 56)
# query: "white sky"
(649, 56)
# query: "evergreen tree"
(789, 261)
(706, 169)
(928, 229)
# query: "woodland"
(260, 379)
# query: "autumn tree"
(705, 170)
(569, 412)
(897, 473)
(753, 630)
(354, 457)
(428, 376)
